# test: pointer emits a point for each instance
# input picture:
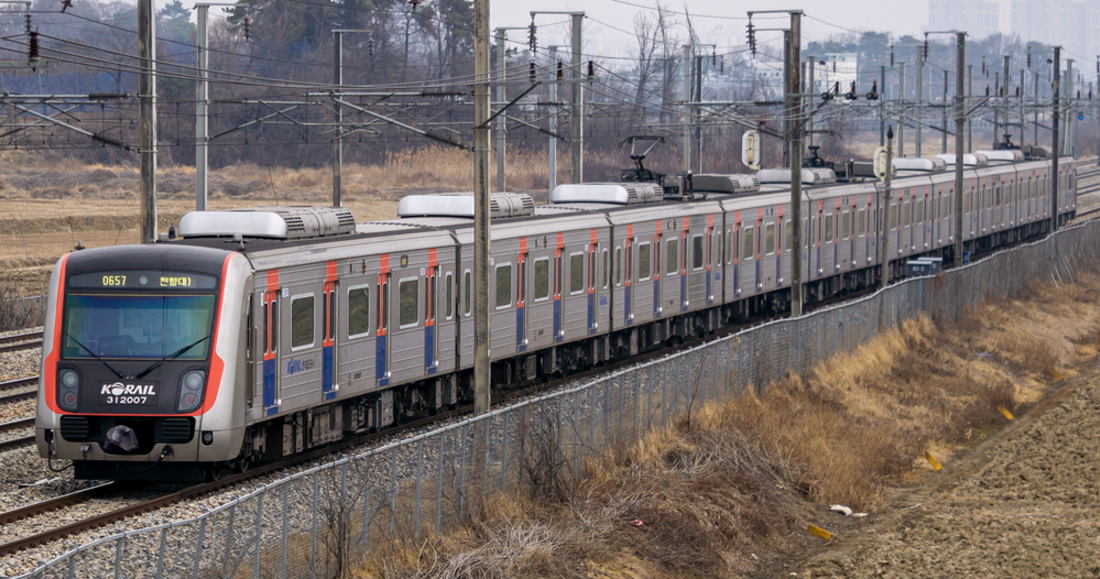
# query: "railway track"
(19, 441)
(24, 341)
(12, 390)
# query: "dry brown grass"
(719, 493)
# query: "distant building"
(978, 18)
(1070, 24)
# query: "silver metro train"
(265, 332)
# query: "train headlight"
(67, 394)
(192, 383)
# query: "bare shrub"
(17, 313)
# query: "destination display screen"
(158, 280)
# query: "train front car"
(140, 356)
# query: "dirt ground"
(1023, 504)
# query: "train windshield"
(137, 327)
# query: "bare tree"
(646, 35)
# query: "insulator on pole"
(561, 70)
(32, 46)
(532, 74)
(591, 70)
(873, 95)
(532, 41)
(891, 56)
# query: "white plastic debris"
(847, 512)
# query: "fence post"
(259, 532)
(419, 473)
(286, 524)
(198, 549)
(160, 556)
(316, 499)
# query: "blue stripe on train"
(626, 307)
(592, 313)
(557, 319)
(269, 383)
(326, 373)
(710, 294)
(683, 291)
(657, 298)
(429, 348)
(520, 335)
(380, 360)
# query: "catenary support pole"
(901, 108)
(1067, 97)
(202, 94)
(578, 102)
(919, 110)
(811, 89)
(997, 108)
(552, 148)
(969, 95)
(793, 106)
(685, 137)
(1007, 76)
(884, 221)
(960, 118)
(943, 145)
(147, 95)
(338, 142)
(502, 97)
(882, 106)
(481, 207)
(1055, 149)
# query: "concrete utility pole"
(686, 135)
(1020, 104)
(147, 95)
(1055, 148)
(920, 102)
(1035, 139)
(578, 101)
(811, 64)
(793, 106)
(481, 207)
(502, 98)
(338, 142)
(960, 118)
(202, 95)
(901, 107)
(552, 148)
(884, 222)
(698, 97)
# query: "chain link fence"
(319, 523)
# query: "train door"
(329, 375)
(431, 307)
(271, 388)
(593, 264)
(382, 327)
(522, 280)
(559, 266)
(735, 274)
(658, 266)
(627, 264)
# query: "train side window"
(332, 315)
(748, 244)
(729, 246)
(697, 255)
(448, 289)
(805, 233)
(787, 239)
(542, 279)
(408, 293)
(846, 225)
(606, 267)
(266, 334)
(672, 256)
(618, 266)
(384, 305)
(905, 216)
(430, 296)
(861, 222)
(301, 322)
(358, 311)
(504, 286)
(521, 281)
(828, 228)
(466, 289)
(918, 215)
(274, 326)
(769, 239)
(643, 261)
(576, 273)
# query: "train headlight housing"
(192, 384)
(68, 393)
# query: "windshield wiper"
(88, 350)
(171, 357)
